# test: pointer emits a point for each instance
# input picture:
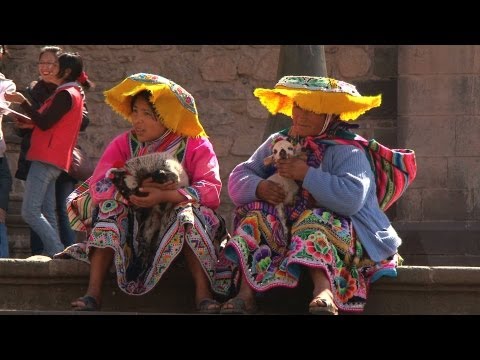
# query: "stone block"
(463, 172)
(189, 48)
(148, 48)
(219, 68)
(245, 145)
(467, 130)
(385, 61)
(476, 208)
(256, 110)
(409, 206)
(436, 59)
(431, 172)
(108, 72)
(353, 61)
(267, 65)
(245, 65)
(441, 95)
(446, 204)
(387, 137)
(221, 145)
(231, 91)
(412, 135)
(227, 164)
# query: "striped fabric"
(394, 169)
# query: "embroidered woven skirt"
(117, 226)
(319, 239)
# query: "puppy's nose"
(283, 154)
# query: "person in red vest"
(37, 92)
(55, 131)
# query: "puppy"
(283, 149)
(128, 178)
(159, 166)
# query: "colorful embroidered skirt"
(117, 226)
(319, 239)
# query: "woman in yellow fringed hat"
(164, 119)
(335, 227)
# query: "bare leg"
(321, 288)
(202, 285)
(100, 261)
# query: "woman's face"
(306, 123)
(48, 67)
(146, 125)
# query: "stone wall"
(439, 88)
(222, 79)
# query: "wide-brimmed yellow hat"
(318, 94)
(172, 102)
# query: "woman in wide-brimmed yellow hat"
(334, 227)
(164, 120)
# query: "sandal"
(322, 306)
(90, 304)
(205, 306)
(239, 307)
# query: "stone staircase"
(36, 284)
(441, 276)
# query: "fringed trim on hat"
(281, 100)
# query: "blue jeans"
(38, 207)
(3, 241)
(64, 186)
(5, 187)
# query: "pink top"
(199, 160)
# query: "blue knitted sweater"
(344, 183)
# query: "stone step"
(19, 237)
(38, 284)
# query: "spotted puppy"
(128, 179)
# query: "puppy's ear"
(268, 160)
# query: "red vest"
(55, 145)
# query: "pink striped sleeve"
(203, 171)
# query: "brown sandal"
(90, 304)
(205, 306)
(239, 307)
(322, 306)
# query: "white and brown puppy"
(283, 149)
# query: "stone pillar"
(296, 60)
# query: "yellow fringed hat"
(318, 94)
(172, 102)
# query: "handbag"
(81, 167)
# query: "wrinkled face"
(283, 149)
(145, 123)
(48, 67)
(306, 123)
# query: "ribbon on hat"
(82, 78)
